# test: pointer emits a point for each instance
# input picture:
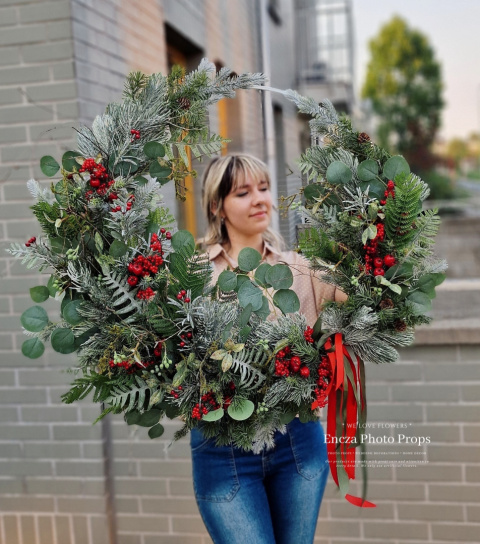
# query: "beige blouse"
(307, 283)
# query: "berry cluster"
(373, 262)
(128, 206)
(184, 337)
(31, 241)
(135, 135)
(324, 378)
(200, 409)
(284, 365)
(390, 191)
(130, 366)
(371, 248)
(182, 295)
(142, 267)
(146, 294)
(174, 393)
(99, 179)
(308, 335)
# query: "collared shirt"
(307, 283)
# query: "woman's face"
(247, 209)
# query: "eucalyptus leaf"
(214, 415)
(260, 274)
(250, 294)
(33, 348)
(70, 312)
(154, 150)
(394, 166)
(227, 281)
(118, 249)
(338, 173)
(156, 431)
(245, 316)
(132, 417)
(420, 302)
(279, 276)
(183, 241)
(63, 340)
(375, 188)
(51, 289)
(149, 418)
(35, 319)
(264, 311)
(49, 166)
(39, 293)
(248, 259)
(156, 170)
(287, 301)
(69, 162)
(367, 170)
(241, 411)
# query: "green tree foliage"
(404, 84)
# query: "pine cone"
(363, 137)
(400, 325)
(184, 103)
(387, 304)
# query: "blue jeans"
(268, 498)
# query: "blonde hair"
(222, 176)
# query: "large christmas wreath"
(154, 338)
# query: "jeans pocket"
(308, 448)
(197, 439)
(215, 476)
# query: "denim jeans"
(268, 498)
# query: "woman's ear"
(213, 207)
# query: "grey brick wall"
(60, 63)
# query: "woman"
(273, 497)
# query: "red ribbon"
(348, 378)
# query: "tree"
(404, 84)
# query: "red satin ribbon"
(339, 356)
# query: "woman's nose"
(258, 196)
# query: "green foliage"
(128, 396)
(190, 272)
(401, 211)
(404, 84)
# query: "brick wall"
(60, 63)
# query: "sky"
(452, 27)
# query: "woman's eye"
(242, 194)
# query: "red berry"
(182, 344)
(378, 262)
(132, 281)
(390, 184)
(187, 299)
(168, 235)
(304, 372)
(179, 296)
(378, 272)
(389, 260)
(27, 244)
(183, 292)
(189, 334)
(162, 230)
